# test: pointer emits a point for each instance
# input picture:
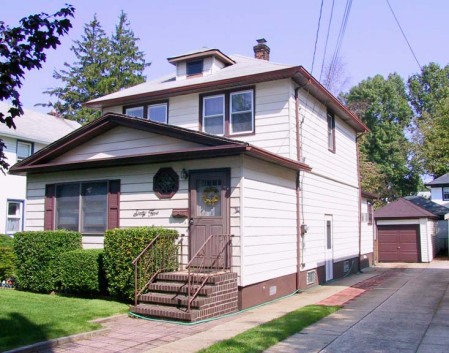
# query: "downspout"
(298, 194)
(360, 202)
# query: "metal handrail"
(147, 270)
(207, 259)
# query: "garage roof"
(403, 208)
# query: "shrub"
(6, 257)
(82, 272)
(37, 257)
(122, 246)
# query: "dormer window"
(157, 112)
(194, 67)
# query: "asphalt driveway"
(408, 312)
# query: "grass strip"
(260, 338)
(27, 318)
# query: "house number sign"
(145, 213)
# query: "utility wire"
(341, 35)
(405, 37)
(317, 35)
(327, 39)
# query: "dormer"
(203, 62)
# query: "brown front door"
(209, 212)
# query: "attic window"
(445, 193)
(194, 67)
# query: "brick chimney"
(261, 50)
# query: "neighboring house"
(367, 229)
(408, 230)
(439, 190)
(227, 144)
(33, 132)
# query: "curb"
(35, 347)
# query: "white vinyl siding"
(341, 165)
(136, 193)
(320, 197)
(269, 238)
(122, 141)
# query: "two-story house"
(33, 131)
(226, 145)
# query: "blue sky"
(373, 43)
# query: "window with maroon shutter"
(88, 207)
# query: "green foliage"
(27, 318)
(433, 144)
(260, 338)
(122, 246)
(103, 65)
(21, 49)
(383, 106)
(7, 257)
(82, 272)
(429, 96)
(37, 256)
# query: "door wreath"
(210, 196)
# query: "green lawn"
(27, 318)
(260, 338)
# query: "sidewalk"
(125, 334)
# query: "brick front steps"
(167, 297)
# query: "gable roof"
(441, 181)
(245, 71)
(212, 146)
(402, 208)
(37, 127)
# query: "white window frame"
(231, 114)
(27, 143)
(20, 217)
(442, 193)
(223, 115)
(330, 119)
(165, 105)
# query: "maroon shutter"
(114, 204)
(49, 218)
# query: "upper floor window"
(155, 112)
(230, 113)
(331, 131)
(194, 67)
(446, 193)
(24, 150)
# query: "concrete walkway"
(385, 309)
(407, 312)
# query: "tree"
(103, 65)
(382, 105)
(432, 140)
(127, 63)
(429, 96)
(85, 78)
(23, 48)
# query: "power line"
(405, 37)
(327, 38)
(341, 35)
(317, 35)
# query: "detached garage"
(406, 230)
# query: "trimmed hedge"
(82, 272)
(7, 257)
(122, 246)
(37, 258)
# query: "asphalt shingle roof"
(411, 207)
(442, 180)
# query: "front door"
(329, 239)
(209, 212)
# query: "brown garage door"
(399, 243)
